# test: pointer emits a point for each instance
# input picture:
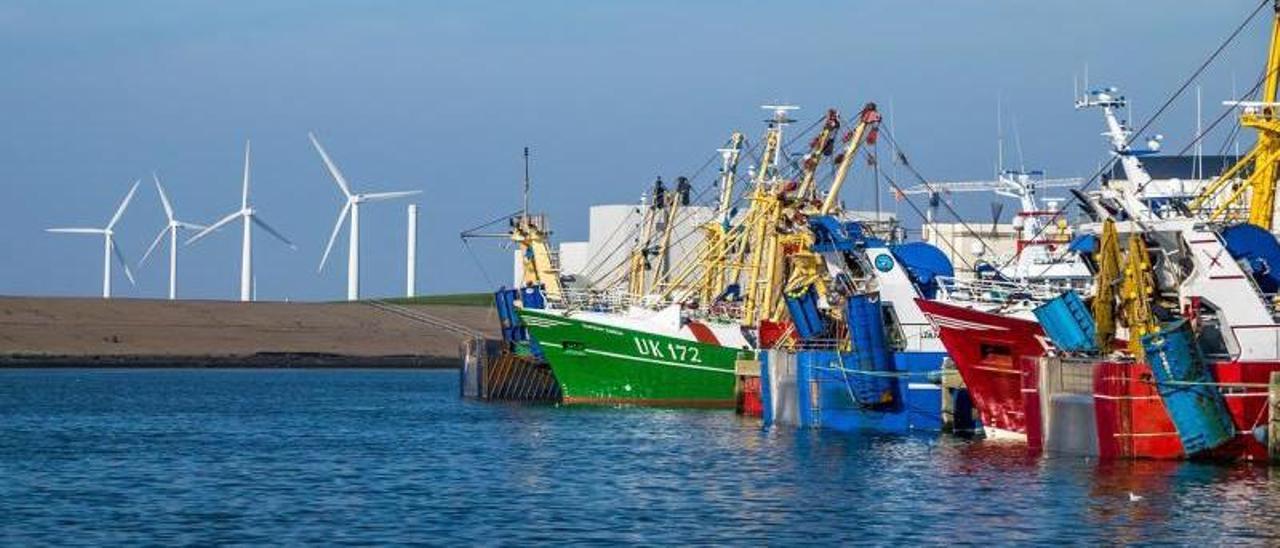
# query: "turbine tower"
(171, 228)
(250, 218)
(109, 246)
(352, 207)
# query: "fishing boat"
(863, 356)
(989, 329)
(674, 336)
(1182, 320)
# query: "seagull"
(1133, 497)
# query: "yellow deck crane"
(716, 236)
(766, 210)
(724, 253)
(1255, 173)
(638, 271)
(532, 238)
(806, 268)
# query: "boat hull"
(989, 351)
(1134, 422)
(599, 363)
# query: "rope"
(683, 215)
(1107, 166)
(742, 195)
(476, 259)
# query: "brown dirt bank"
(38, 331)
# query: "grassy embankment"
(455, 299)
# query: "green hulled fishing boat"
(641, 358)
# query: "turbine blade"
(272, 231)
(115, 250)
(333, 169)
(342, 217)
(244, 195)
(164, 200)
(191, 226)
(120, 211)
(155, 243)
(76, 230)
(381, 196)
(214, 227)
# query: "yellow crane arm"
(867, 120)
(821, 146)
(1260, 162)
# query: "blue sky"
(441, 96)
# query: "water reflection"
(209, 457)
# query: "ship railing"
(617, 300)
(976, 290)
(601, 300)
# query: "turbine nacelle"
(110, 249)
(351, 208)
(250, 217)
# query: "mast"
(526, 181)
(766, 210)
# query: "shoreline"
(63, 332)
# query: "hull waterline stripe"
(650, 360)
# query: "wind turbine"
(109, 246)
(172, 228)
(352, 207)
(250, 218)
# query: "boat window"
(1210, 338)
(893, 327)
(995, 353)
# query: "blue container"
(1199, 411)
(512, 329)
(870, 352)
(1068, 323)
(805, 316)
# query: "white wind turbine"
(109, 246)
(352, 207)
(171, 228)
(250, 217)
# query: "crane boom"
(1259, 166)
(868, 120)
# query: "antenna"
(1017, 142)
(999, 135)
(526, 181)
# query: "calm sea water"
(294, 456)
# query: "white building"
(612, 234)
